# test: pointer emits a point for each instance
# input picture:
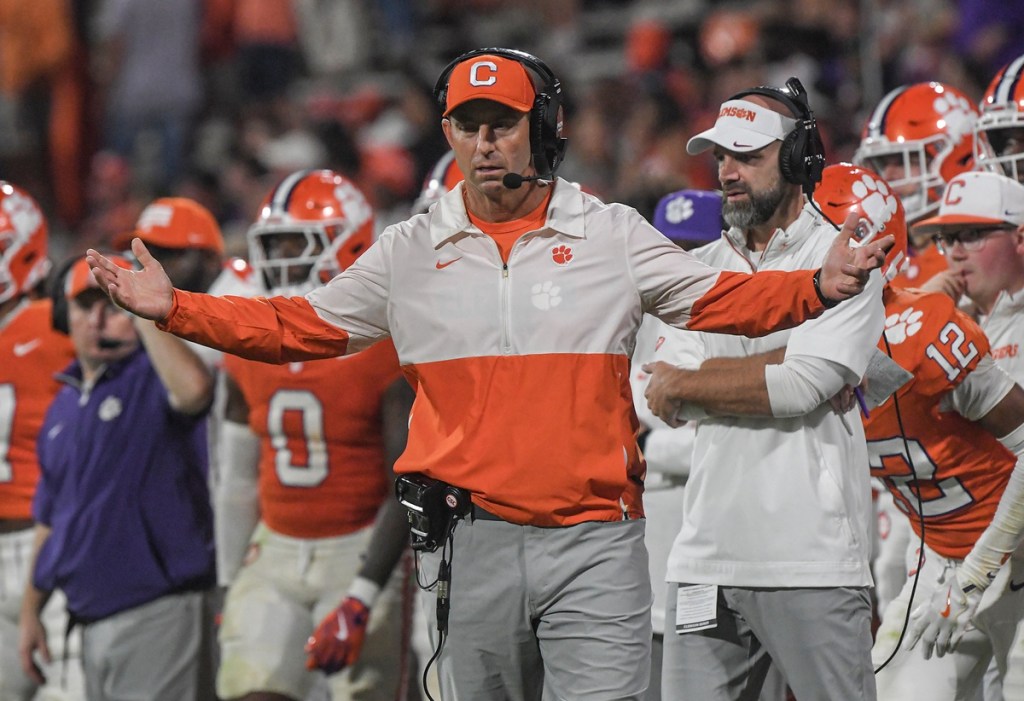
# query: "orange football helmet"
(23, 242)
(311, 226)
(443, 177)
(846, 188)
(999, 131)
(927, 129)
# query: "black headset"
(546, 141)
(802, 156)
(58, 298)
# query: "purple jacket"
(123, 488)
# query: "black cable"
(915, 482)
(443, 583)
(920, 516)
(421, 585)
(818, 210)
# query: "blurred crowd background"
(107, 104)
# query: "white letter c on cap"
(474, 70)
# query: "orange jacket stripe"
(252, 328)
(570, 434)
(783, 300)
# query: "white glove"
(941, 623)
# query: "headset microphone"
(514, 181)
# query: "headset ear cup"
(58, 301)
(816, 151)
(537, 129)
(791, 163)
(546, 140)
(59, 315)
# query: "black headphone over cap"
(802, 156)
(58, 297)
(546, 141)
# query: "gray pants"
(819, 638)
(545, 613)
(160, 651)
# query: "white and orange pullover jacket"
(521, 370)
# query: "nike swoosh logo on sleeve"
(21, 349)
(441, 266)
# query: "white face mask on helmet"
(927, 128)
(999, 131)
(313, 225)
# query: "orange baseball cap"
(80, 277)
(490, 77)
(176, 222)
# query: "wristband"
(365, 590)
(829, 303)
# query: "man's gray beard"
(757, 209)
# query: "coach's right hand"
(147, 293)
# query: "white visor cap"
(742, 126)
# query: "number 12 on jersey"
(962, 353)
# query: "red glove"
(338, 640)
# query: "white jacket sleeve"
(824, 354)
(980, 391)
(803, 383)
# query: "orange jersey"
(921, 266)
(31, 353)
(962, 468)
(321, 471)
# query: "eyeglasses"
(971, 239)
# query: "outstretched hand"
(845, 270)
(147, 293)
